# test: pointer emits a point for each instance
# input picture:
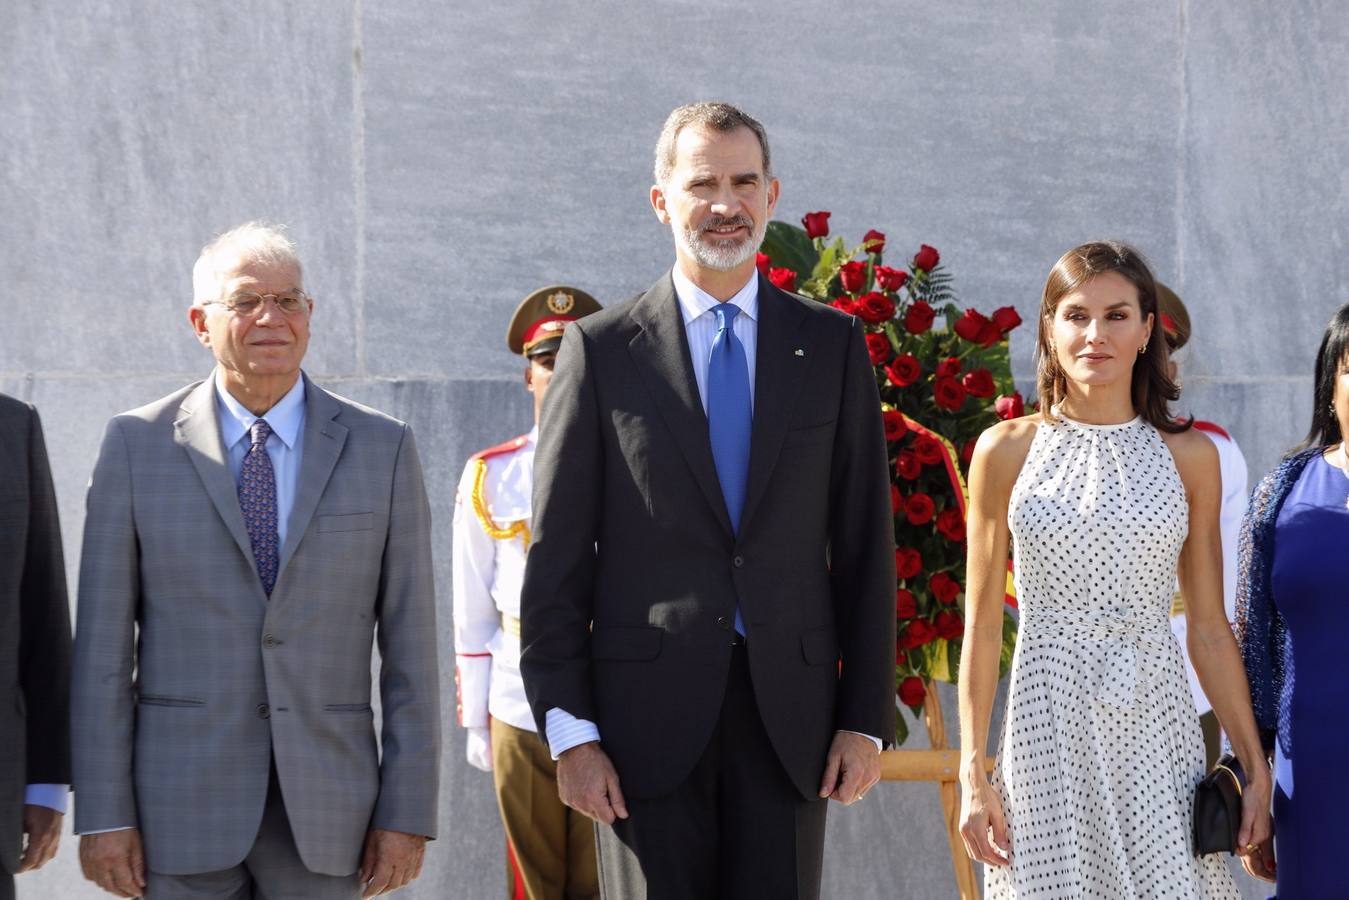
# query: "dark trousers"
(6, 885)
(735, 828)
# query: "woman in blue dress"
(1292, 593)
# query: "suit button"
(738, 561)
(269, 641)
(264, 711)
(725, 623)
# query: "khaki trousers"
(553, 846)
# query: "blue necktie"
(729, 415)
(257, 501)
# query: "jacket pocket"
(819, 646)
(347, 707)
(161, 700)
(626, 642)
(362, 521)
(810, 434)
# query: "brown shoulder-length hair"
(1152, 388)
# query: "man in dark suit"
(708, 602)
(34, 651)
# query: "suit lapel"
(778, 374)
(660, 351)
(324, 438)
(197, 430)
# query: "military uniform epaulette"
(1211, 428)
(503, 448)
(479, 501)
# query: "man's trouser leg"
(553, 846)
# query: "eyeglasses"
(249, 304)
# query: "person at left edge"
(247, 539)
(34, 651)
(550, 848)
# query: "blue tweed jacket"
(1265, 647)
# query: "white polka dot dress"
(1101, 748)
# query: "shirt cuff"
(564, 731)
(107, 830)
(875, 740)
(52, 796)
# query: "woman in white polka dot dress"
(1103, 499)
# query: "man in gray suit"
(34, 651)
(247, 538)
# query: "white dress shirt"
(564, 730)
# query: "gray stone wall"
(437, 161)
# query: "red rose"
(919, 509)
(927, 449)
(904, 371)
(989, 335)
(951, 524)
(971, 326)
(896, 501)
(926, 258)
(878, 345)
(845, 305)
(949, 394)
(901, 658)
(873, 241)
(906, 607)
(875, 308)
(783, 279)
(949, 624)
(762, 262)
(918, 633)
(1006, 318)
(947, 368)
(919, 317)
(908, 562)
(944, 588)
(895, 428)
(911, 691)
(907, 465)
(979, 383)
(816, 224)
(1010, 407)
(890, 279)
(967, 451)
(853, 276)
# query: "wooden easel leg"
(950, 800)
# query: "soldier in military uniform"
(550, 848)
(1175, 321)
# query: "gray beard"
(719, 255)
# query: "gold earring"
(1143, 349)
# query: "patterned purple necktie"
(257, 499)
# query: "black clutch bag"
(1217, 807)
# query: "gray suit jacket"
(188, 680)
(34, 625)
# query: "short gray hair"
(722, 117)
(259, 241)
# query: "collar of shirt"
(694, 301)
(533, 437)
(285, 417)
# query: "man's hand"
(115, 861)
(853, 766)
(42, 824)
(391, 860)
(587, 782)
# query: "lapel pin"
(800, 352)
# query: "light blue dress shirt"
(284, 446)
(562, 729)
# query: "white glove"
(479, 748)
